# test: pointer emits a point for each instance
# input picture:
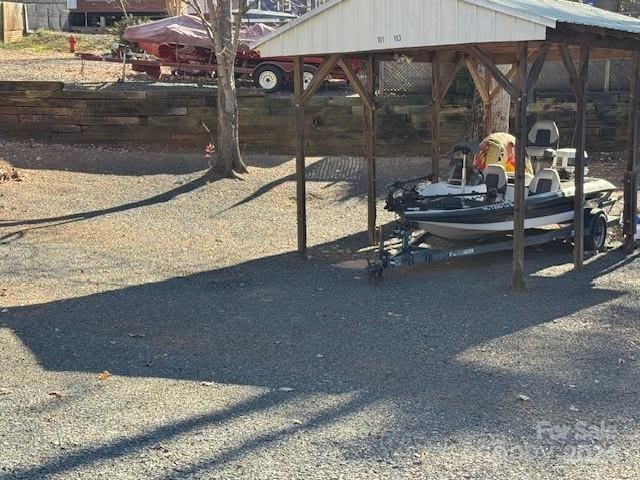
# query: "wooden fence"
(11, 21)
(46, 110)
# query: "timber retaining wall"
(49, 111)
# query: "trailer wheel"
(307, 75)
(596, 237)
(153, 72)
(269, 78)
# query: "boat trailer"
(405, 248)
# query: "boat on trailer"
(482, 215)
(549, 201)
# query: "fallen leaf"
(523, 398)
(56, 394)
(104, 375)
(5, 391)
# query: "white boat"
(549, 201)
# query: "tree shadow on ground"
(332, 169)
(323, 329)
(80, 216)
(348, 172)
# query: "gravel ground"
(230, 357)
(59, 67)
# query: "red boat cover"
(187, 30)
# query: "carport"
(478, 33)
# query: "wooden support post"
(581, 129)
(488, 105)
(630, 180)
(370, 148)
(301, 201)
(435, 117)
(522, 97)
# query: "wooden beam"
(522, 101)
(356, 84)
(581, 130)
(370, 148)
(487, 121)
(478, 81)
(446, 84)
(301, 201)
(324, 69)
(629, 226)
(536, 68)
(567, 60)
(510, 74)
(487, 63)
(435, 117)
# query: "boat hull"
(484, 220)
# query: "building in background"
(44, 14)
(296, 7)
(94, 15)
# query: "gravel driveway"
(230, 357)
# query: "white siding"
(370, 25)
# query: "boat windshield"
(473, 175)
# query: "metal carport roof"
(352, 26)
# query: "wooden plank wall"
(48, 111)
(11, 21)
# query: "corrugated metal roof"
(576, 13)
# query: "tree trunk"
(498, 112)
(228, 159)
(501, 107)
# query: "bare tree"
(174, 7)
(223, 27)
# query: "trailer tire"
(596, 238)
(269, 78)
(307, 76)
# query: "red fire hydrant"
(72, 43)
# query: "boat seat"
(495, 177)
(545, 181)
(544, 133)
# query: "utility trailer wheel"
(307, 75)
(596, 238)
(268, 77)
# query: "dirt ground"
(228, 356)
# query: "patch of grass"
(44, 41)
